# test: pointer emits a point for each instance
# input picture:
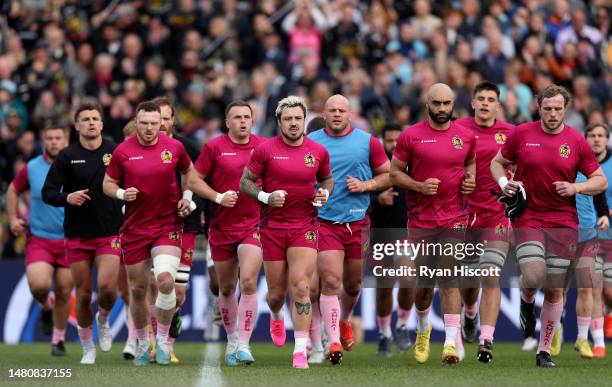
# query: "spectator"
(578, 29)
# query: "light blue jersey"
(349, 155)
(45, 221)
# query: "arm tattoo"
(302, 308)
(248, 184)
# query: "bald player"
(434, 161)
(359, 166)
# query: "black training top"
(77, 168)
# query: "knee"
(138, 293)
(533, 279)
(106, 293)
(39, 291)
(83, 296)
(331, 284)
(227, 290)
(248, 285)
(353, 287)
(165, 283)
(275, 298)
(301, 289)
(553, 295)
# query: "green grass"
(511, 367)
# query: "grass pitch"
(510, 367)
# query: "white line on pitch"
(211, 369)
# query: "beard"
(553, 126)
(289, 137)
(440, 118)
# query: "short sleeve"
(205, 161)
(20, 182)
(115, 168)
(184, 162)
(324, 167)
(402, 150)
(587, 163)
(509, 150)
(377, 153)
(257, 162)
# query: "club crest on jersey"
(564, 151)
(457, 142)
(256, 235)
(189, 255)
(173, 236)
(309, 160)
(106, 159)
(311, 236)
(500, 138)
(115, 244)
(458, 227)
(593, 249)
(166, 156)
(500, 230)
(572, 247)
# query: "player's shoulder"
(257, 140)
(527, 127)
(311, 144)
(167, 140)
(505, 126)
(466, 122)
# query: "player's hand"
(321, 197)
(277, 199)
(565, 188)
(183, 208)
(430, 186)
(468, 185)
(78, 198)
(387, 197)
(511, 188)
(17, 226)
(355, 185)
(130, 194)
(603, 223)
(230, 198)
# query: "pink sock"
(528, 296)
(347, 303)
(486, 333)
(247, 313)
(330, 312)
(583, 327)
(58, 335)
(315, 325)
(163, 330)
(131, 328)
(470, 310)
(142, 334)
(402, 316)
(597, 323)
(228, 306)
(85, 335)
(549, 317)
(384, 325)
(153, 317)
(452, 323)
(103, 313)
(301, 341)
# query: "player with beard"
(192, 223)
(45, 255)
(359, 160)
(434, 161)
(296, 179)
(233, 232)
(389, 212)
(91, 224)
(548, 155)
(487, 220)
(146, 165)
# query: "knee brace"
(166, 301)
(530, 252)
(557, 265)
(492, 258)
(165, 263)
